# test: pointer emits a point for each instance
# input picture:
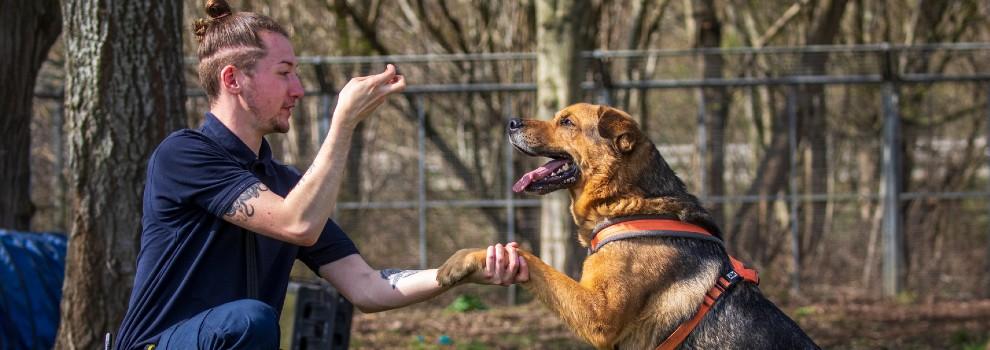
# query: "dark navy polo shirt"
(191, 259)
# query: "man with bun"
(223, 222)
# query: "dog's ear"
(619, 128)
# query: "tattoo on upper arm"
(241, 204)
(394, 275)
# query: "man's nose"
(296, 89)
(515, 124)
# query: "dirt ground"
(940, 325)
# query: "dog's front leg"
(595, 309)
(460, 265)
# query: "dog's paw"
(460, 265)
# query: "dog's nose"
(515, 124)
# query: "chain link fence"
(847, 172)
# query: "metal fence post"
(793, 188)
(702, 146)
(421, 205)
(892, 235)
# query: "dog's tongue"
(537, 174)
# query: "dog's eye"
(566, 122)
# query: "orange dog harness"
(652, 227)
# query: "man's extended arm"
(379, 290)
(300, 216)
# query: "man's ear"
(619, 128)
(229, 79)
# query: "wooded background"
(812, 220)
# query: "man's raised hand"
(362, 95)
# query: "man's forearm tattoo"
(394, 275)
(241, 204)
(305, 177)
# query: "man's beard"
(277, 127)
(271, 121)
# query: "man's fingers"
(383, 77)
(499, 263)
(397, 84)
(490, 262)
(513, 264)
(523, 274)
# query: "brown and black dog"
(634, 292)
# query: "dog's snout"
(515, 124)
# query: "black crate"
(323, 318)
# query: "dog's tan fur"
(631, 293)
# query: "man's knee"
(250, 322)
(241, 324)
(260, 315)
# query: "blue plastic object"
(445, 340)
(32, 267)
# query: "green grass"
(466, 303)
(965, 341)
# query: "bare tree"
(772, 171)
(927, 222)
(27, 30)
(716, 104)
(124, 93)
(444, 33)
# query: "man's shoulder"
(183, 136)
(185, 140)
(185, 148)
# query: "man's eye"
(566, 122)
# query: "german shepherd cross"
(636, 290)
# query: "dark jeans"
(241, 324)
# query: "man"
(204, 279)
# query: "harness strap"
(724, 283)
(625, 228)
(647, 227)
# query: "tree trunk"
(124, 92)
(27, 30)
(932, 25)
(563, 30)
(771, 176)
(716, 105)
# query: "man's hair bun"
(217, 10)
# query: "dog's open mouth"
(556, 174)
